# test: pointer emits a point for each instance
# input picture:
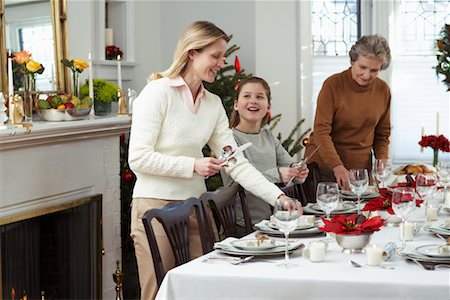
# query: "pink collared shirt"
(186, 94)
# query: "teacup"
(316, 251)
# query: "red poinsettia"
(384, 201)
(353, 224)
(435, 142)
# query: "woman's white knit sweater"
(166, 138)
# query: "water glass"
(426, 185)
(403, 204)
(382, 170)
(359, 182)
(443, 171)
(287, 212)
(328, 199)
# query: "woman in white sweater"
(174, 117)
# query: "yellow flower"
(80, 65)
(22, 57)
(33, 66)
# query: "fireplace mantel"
(59, 162)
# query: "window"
(417, 94)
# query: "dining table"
(334, 278)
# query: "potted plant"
(105, 92)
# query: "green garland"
(443, 56)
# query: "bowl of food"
(57, 108)
(58, 115)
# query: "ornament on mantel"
(3, 115)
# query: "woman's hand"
(302, 174)
(300, 208)
(288, 172)
(208, 166)
(342, 176)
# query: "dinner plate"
(341, 207)
(441, 231)
(226, 246)
(310, 210)
(256, 245)
(432, 251)
(412, 253)
(371, 192)
(299, 227)
(265, 228)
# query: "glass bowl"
(58, 115)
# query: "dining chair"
(309, 187)
(222, 203)
(175, 221)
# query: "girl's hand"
(287, 173)
(208, 166)
(302, 174)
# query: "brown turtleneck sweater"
(350, 121)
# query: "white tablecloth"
(334, 278)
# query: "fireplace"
(56, 251)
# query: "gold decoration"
(118, 279)
(122, 106)
(16, 112)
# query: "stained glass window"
(336, 26)
(421, 24)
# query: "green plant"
(443, 56)
(104, 91)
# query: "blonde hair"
(196, 36)
(235, 119)
(372, 46)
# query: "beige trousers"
(147, 277)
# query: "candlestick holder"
(16, 111)
(122, 106)
(118, 279)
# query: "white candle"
(119, 73)
(374, 255)
(447, 198)
(422, 133)
(317, 251)
(109, 37)
(53, 78)
(431, 213)
(10, 78)
(437, 124)
(407, 231)
(91, 79)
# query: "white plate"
(432, 251)
(264, 227)
(299, 227)
(279, 250)
(256, 245)
(342, 206)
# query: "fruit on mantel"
(63, 101)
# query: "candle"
(109, 37)
(431, 213)
(437, 124)
(374, 255)
(422, 133)
(91, 80)
(317, 251)
(447, 198)
(10, 78)
(119, 73)
(407, 231)
(53, 78)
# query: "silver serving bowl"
(352, 243)
(57, 115)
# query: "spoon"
(358, 265)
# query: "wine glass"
(328, 199)
(443, 171)
(286, 212)
(426, 185)
(359, 182)
(382, 170)
(403, 204)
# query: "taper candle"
(91, 82)
(119, 73)
(437, 123)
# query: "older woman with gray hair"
(353, 113)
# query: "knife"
(302, 163)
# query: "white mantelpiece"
(58, 162)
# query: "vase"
(352, 243)
(102, 108)
(76, 83)
(28, 96)
(435, 157)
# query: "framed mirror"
(39, 27)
